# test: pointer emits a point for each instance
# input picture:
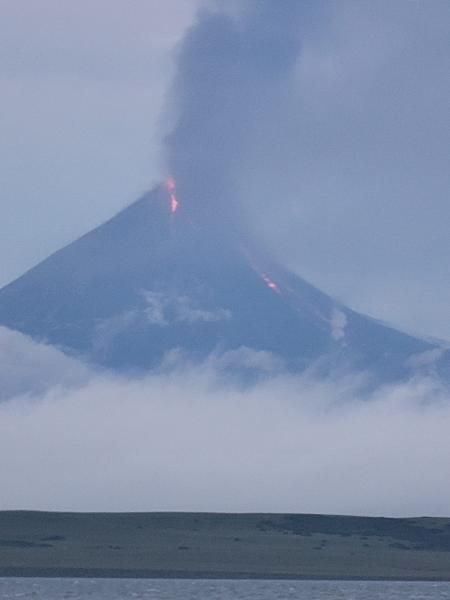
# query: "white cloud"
(154, 311)
(185, 440)
(163, 308)
(247, 360)
(28, 367)
(425, 359)
(338, 324)
(187, 310)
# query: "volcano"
(153, 280)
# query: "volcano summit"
(153, 280)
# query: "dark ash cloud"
(232, 70)
(322, 127)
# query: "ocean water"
(165, 589)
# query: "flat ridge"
(223, 545)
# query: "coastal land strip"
(215, 545)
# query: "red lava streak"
(271, 284)
(171, 188)
(173, 204)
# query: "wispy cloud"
(163, 309)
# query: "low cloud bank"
(184, 440)
(28, 367)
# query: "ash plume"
(231, 72)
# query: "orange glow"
(270, 283)
(171, 188)
(171, 184)
(173, 203)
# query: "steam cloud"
(185, 440)
(231, 70)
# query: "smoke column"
(230, 73)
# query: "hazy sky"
(347, 175)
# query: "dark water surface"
(165, 589)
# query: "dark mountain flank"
(154, 279)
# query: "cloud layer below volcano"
(184, 440)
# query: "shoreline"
(14, 573)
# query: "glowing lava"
(171, 187)
(270, 283)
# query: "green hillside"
(222, 546)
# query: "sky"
(333, 143)
(346, 176)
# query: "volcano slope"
(153, 280)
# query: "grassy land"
(223, 545)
